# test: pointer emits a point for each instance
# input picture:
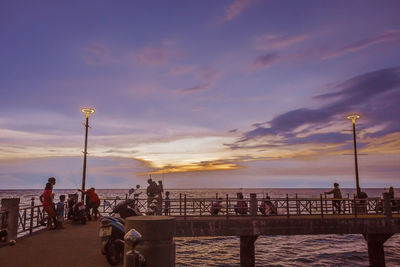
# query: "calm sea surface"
(310, 250)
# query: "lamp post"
(353, 118)
(86, 111)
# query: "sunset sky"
(229, 93)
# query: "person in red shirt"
(48, 205)
(93, 203)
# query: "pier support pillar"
(247, 251)
(157, 243)
(376, 253)
(11, 205)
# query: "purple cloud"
(207, 78)
(269, 41)
(153, 56)
(264, 62)
(375, 94)
(387, 36)
(98, 54)
(236, 8)
(181, 70)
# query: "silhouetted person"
(160, 192)
(167, 203)
(93, 203)
(337, 195)
(151, 191)
(216, 207)
(267, 207)
(241, 205)
(60, 212)
(47, 198)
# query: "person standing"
(48, 205)
(160, 192)
(93, 202)
(167, 204)
(337, 195)
(151, 191)
(60, 212)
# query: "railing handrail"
(31, 215)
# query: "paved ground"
(77, 245)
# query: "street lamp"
(353, 118)
(86, 111)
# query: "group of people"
(155, 194)
(55, 212)
(266, 207)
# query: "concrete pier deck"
(76, 245)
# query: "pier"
(296, 216)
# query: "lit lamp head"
(88, 111)
(353, 117)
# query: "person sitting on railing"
(267, 207)
(216, 207)
(337, 195)
(241, 205)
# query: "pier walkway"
(76, 245)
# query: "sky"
(199, 94)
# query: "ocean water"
(302, 250)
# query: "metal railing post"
(180, 204)
(184, 206)
(322, 206)
(227, 206)
(355, 206)
(32, 212)
(287, 205)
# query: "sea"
(301, 250)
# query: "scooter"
(76, 209)
(133, 257)
(112, 239)
(112, 231)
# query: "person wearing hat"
(337, 196)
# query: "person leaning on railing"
(241, 205)
(216, 207)
(337, 195)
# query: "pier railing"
(285, 206)
(30, 217)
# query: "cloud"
(264, 62)
(153, 56)
(387, 36)
(206, 77)
(375, 94)
(269, 41)
(182, 70)
(98, 54)
(236, 8)
(194, 167)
